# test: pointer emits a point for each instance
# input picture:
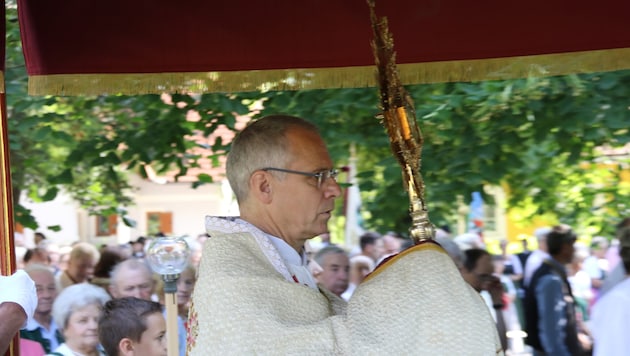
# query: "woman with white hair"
(76, 312)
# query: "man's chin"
(320, 232)
(323, 221)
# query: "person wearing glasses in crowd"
(255, 294)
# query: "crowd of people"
(450, 296)
(82, 301)
(553, 296)
(522, 291)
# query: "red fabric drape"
(120, 36)
(158, 36)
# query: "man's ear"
(260, 187)
(125, 347)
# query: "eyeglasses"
(321, 176)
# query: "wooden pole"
(171, 324)
(7, 250)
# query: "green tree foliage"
(538, 137)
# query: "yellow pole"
(170, 300)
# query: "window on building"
(106, 225)
(17, 227)
(159, 222)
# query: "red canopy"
(121, 46)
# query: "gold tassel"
(322, 78)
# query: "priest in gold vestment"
(255, 294)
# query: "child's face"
(185, 286)
(153, 340)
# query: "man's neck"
(44, 319)
(273, 230)
(71, 278)
(561, 261)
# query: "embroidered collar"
(288, 262)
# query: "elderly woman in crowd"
(76, 311)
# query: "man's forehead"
(484, 264)
(135, 283)
(132, 276)
(43, 280)
(336, 259)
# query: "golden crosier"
(399, 119)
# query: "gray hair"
(37, 267)
(76, 297)
(331, 249)
(261, 144)
(128, 264)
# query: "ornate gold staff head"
(399, 118)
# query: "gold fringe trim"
(322, 78)
(2, 89)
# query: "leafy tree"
(539, 137)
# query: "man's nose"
(332, 188)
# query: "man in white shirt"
(42, 328)
(610, 317)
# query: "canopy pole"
(7, 249)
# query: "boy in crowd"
(132, 326)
